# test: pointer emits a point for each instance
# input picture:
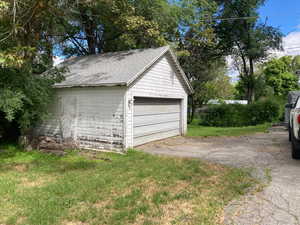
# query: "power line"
(215, 18)
(237, 18)
(296, 47)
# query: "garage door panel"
(155, 128)
(155, 109)
(154, 137)
(146, 101)
(155, 119)
(144, 120)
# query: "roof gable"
(112, 69)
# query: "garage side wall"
(160, 81)
(93, 117)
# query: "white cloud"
(57, 60)
(291, 45)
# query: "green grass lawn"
(195, 130)
(106, 188)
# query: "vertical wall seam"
(76, 118)
(125, 102)
(132, 119)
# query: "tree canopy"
(201, 32)
(280, 74)
(246, 38)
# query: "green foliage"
(199, 56)
(280, 75)
(261, 89)
(237, 115)
(25, 96)
(262, 111)
(90, 27)
(24, 54)
(11, 102)
(218, 88)
(225, 116)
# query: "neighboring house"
(119, 100)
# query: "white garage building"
(115, 101)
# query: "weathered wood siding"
(160, 81)
(93, 117)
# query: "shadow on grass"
(12, 157)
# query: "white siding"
(160, 81)
(93, 117)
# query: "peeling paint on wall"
(93, 117)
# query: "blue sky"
(284, 14)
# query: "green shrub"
(237, 115)
(223, 115)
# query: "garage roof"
(113, 69)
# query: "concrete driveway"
(267, 153)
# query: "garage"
(116, 101)
(155, 118)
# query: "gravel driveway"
(279, 203)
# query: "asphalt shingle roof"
(117, 68)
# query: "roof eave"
(180, 70)
(90, 85)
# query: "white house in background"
(119, 100)
(228, 102)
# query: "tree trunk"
(90, 34)
(251, 86)
(250, 94)
(90, 37)
(192, 110)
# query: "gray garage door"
(155, 119)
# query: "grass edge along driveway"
(106, 188)
(195, 130)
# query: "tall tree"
(243, 36)
(199, 56)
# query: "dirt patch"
(21, 167)
(178, 212)
(73, 223)
(101, 204)
(29, 183)
(175, 212)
